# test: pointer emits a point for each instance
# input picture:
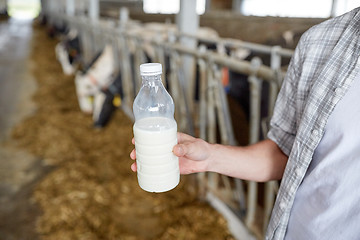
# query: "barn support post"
(187, 21)
(123, 15)
(207, 5)
(70, 7)
(94, 10)
(334, 6)
(237, 6)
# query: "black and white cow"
(68, 52)
(99, 88)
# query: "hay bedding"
(92, 193)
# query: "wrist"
(211, 161)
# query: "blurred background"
(69, 74)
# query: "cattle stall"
(205, 113)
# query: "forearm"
(260, 162)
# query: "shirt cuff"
(283, 139)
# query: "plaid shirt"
(324, 65)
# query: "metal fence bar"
(235, 43)
(255, 93)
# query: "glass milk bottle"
(155, 133)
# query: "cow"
(68, 52)
(99, 88)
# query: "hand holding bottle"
(162, 154)
(193, 154)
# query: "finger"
(133, 154)
(182, 150)
(179, 150)
(182, 137)
(134, 167)
(185, 149)
(183, 166)
(189, 166)
(195, 150)
(133, 141)
(186, 166)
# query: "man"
(314, 143)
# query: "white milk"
(157, 166)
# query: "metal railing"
(212, 119)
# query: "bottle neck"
(146, 79)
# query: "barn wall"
(220, 4)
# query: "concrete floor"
(16, 83)
(19, 171)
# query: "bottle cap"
(150, 69)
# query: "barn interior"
(66, 136)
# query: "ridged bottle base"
(158, 186)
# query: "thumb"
(180, 150)
(195, 150)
